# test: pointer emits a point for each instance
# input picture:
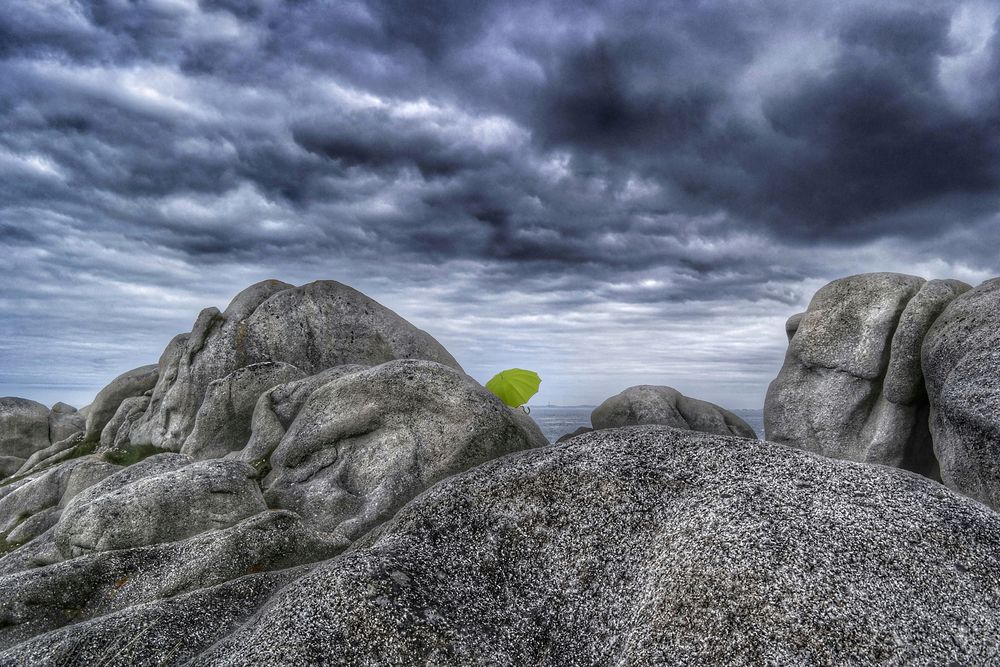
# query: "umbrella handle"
(526, 409)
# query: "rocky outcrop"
(24, 427)
(313, 327)
(32, 505)
(366, 442)
(223, 422)
(100, 583)
(150, 503)
(129, 384)
(115, 440)
(651, 404)
(852, 385)
(313, 480)
(275, 411)
(651, 545)
(961, 361)
(658, 405)
(64, 421)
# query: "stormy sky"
(609, 193)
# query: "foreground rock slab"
(643, 545)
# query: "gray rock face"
(223, 422)
(163, 507)
(116, 436)
(653, 546)
(650, 404)
(313, 327)
(9, 465)
(792, 324)
(851, 386)
(64, 421)
(24, 427)
(35, 600)
(367, 442)
(277, 408)
(55, 453)
(644, 546)
(961, 360)
(132, 383)
(31, 506)
(52, 489)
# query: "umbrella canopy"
(514, 386)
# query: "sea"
(557, 420)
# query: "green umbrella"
(514, 386)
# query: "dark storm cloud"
(576, 178)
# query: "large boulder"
(851, 385)
(646, 545)
(961, 361)
(24, 427)
(655, 546)
(313, 327)
(64, 421)
(166, 506)
(651, 404)
(367, 442)
(129, 384)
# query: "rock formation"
(852, 385)
(961, 360)
(649, 404)
(367, 442)
(306, 478)
(261, 429)
(646, 404)
(24, 429)
(311, 328)
(647, 545)
(129, 384)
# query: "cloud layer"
(610, 193)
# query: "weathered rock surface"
(223, 422)
(24, 427)
(851, 386)
(646, 545)
(961, 360)
(32, 505)
(651, 404)
(35, 600)
(313, 327)
(367, 442)
(9, 465)
(129, 384)
(115, 443)
(277, 408)
(64, 421)
(57, 452)
(123, 511)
